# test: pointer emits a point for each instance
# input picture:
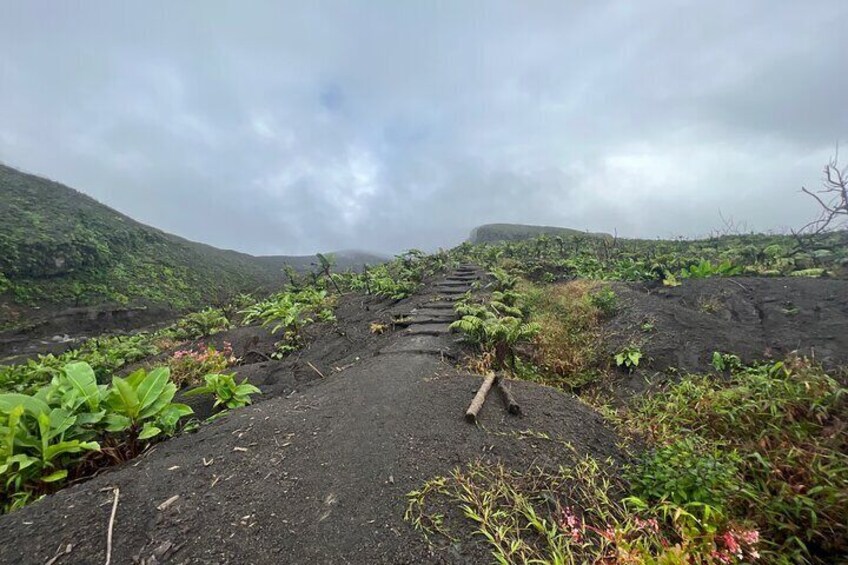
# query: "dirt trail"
(318, 476)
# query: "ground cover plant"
(769, 446)
(189, 366)
(288, 312)
(567, 350)
(548, 259)
(750, 466)
(49, 436)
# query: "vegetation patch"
(570, 515)
(567, 350)
(765, 447)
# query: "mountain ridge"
(59, 246)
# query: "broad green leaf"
(127, 398)
(87, 418)
(164, 398)
(55, 476)
(149, 431)
(205, 389)
(152, 386)
(32, 406)
(117, 422)
(81, 376)
(63, 447)
(134, 379)
(60, 421)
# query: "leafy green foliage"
(496, 327)
(705, 269)
(688, 473)
(226, 391)
(141, 404)
(289, 312)
(107, 355)
(566, 516)
(605, 300)
(188, 366)
(46, 435)
(629, 357)
(200, 324)
(765, 450)
(570, 256)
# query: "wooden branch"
(508, 400)
(111, 526)
(479, 399)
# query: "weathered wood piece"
(507, 398)
(479, 399)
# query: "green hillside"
(61, 247)
(490, 233)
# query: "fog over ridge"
(286, 128)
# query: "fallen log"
(479, 399)
(508, 400)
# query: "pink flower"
(649, 524)
(570, 524)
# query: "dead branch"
(832, 199)
(508, 400)
(479, 399)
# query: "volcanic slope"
(318, 475)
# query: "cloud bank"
(284, 127)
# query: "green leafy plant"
(726, 361)
(188, 366)
(605, 300)
(485, 326)
(790, 467)
(629, 357)
(141, 406)
(201, 324)
(226, 391)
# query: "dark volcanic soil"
(52, 330)
(755, 318)
(314, 476)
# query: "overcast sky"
(283, 127)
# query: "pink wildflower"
(570, 524)
(649, 524)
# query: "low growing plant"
(226, 391)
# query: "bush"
(782, 419)
(189, 366)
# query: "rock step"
(439, 305)
(419, 320)
(453, 283)
(432, 344)
(434, 312)
(428, 329)
(452, 289)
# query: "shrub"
(567, 348)
(201, 324)
(189, 366)
(46, 436)
(225, 390)
(781, 419)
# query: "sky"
(293, 127)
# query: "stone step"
(454, 283)
(434, 312)
(420, 320)
(429, 344)
(440, 305)
(452, 291)
(428, 329)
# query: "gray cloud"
(293, 127)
